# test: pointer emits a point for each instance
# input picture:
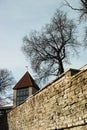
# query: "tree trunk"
(61, 68)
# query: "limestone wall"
(62, 105)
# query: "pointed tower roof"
(26, 81)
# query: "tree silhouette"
(51, 47)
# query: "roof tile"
(26, 81)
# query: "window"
(22, 94)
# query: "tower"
(25, 87)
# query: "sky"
(17, 19)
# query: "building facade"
(25, 87)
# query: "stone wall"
(61, 105)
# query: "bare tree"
(82, 9)
(6, 82)
(82, 15)
(6, 79)
(51, 47)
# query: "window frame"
(21, 95)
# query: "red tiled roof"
(26, 81)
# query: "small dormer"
(24, 88)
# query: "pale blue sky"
(17, 19)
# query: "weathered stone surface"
(62, 105)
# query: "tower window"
(21, 95)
